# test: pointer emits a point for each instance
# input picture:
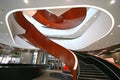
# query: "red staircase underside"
(67, 20)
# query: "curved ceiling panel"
(97, 27)
(69, 33)
(111, 8)
(97, 30)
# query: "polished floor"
(53, 75)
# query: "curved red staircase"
(39, 40)
(67, 20)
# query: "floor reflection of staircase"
(90, 72)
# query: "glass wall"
(52, 62)
(4, 59)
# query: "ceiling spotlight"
(112, 1)
(26, 1)
(68, 0)
(111, 33)
(1, 22)
(119, 26)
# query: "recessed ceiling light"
(119, 26)
(112, 1)
(68, 0)
(111, 33)
(26, 1)
(1, 22)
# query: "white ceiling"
(102, 28)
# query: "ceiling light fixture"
(111, 33)
(112, 1)
(68, 0)
(1, 22)
(119, 26)
(26, 1)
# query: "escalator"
(90, 70)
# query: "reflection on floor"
(54, 75)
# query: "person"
(10, 62)
(65, 68)
(52, 66)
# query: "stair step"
(88, 68)
(88, 78)
(95, 71)
(92, 76)
(91, 73)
